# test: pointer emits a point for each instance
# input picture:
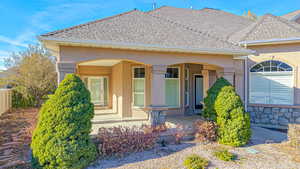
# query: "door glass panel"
(199, 92)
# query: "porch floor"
(106, 118)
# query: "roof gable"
(213, 21)
(266, 28)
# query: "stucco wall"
(80, 54)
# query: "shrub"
(224, 155)
(61, 138)
(195, 162)
(233, 121)
(20, 101)
(205, 131)
(179, 133)
(209, 111)
(116, 141)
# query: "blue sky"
(23, 20)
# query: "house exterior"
(165, 60)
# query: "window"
(172, 87)
(271, 82)
(138, 82)
(98, 87)
(186, 87)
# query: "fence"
(5, 100)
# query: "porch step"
(114, 120)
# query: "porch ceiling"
(100, 62)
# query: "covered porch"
(129, 85)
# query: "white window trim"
(107, 92)
(265, 73)
(178, 67)
(132, 90)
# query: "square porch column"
(228, 74)
(157, 106)
(158, 85)
(64, 68)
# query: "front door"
(198, 92)
(98, 87)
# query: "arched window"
(271, 82)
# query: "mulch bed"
(16, 128)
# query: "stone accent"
(275, 116)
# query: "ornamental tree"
(209, 111)
(233, 122)
(61, 138)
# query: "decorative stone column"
(64, 68)
(158, 106)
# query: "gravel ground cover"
(261, 153)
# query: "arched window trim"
(271, 66)
(270, 93)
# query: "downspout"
(246, 81)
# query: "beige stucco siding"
(288, 53)
(81, 54)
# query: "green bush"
(209, 111)
(19, 101)
(233, 121)
(224, 155)
(194, 161)
(61, 138)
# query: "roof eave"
(144, 47)
(270, 42)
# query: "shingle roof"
(266, 28)
(212, 21)
(291, 15)
(137, 27)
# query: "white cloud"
(11, 41)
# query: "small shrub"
(117, 141)
(232, 120)
(205, 131)
(179, 133)
(62, 136)
(224, 155)
(209, 111)
(194, 161)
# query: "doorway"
(198, 92)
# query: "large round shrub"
(233, 121)
(61, 138)
(209, 111)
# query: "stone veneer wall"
(274, 116)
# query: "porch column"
(228, 74)
(205, 74)
(158, 85)
(64, 68)
(156, 114)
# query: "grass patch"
(195, 161)
(224, 155)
